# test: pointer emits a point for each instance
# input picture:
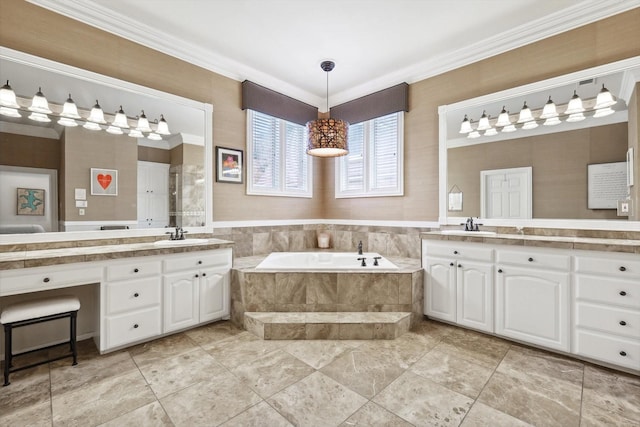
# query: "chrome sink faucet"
(470, 225)
(177, 235)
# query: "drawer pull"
(530, 259)
(46, 280)
(499, 270)
(135, 270)
(623, 353)
(623, 293)
(197, 275)
(204, 274)
(135, 326)
(623, 323)
(459, 265)
(622, 268)
(136, 295)
(451, 264)
(199, 262)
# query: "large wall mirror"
(566, 166)
(64, 176)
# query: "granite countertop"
(561, 242)
(37, 258)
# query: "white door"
(506, 193)
(440, 289)
(533, 306)
(180, 301)
(475, 295)
(214, 294)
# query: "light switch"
(81, 212)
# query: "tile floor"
(435, 375)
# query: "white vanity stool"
(38, 311)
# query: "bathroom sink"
(468, 233)
(179, 242)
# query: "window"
(278, 164)
(374, 165)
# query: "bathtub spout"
(360, 248)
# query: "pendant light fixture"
(465, 126)
(96, 118)
(39, 103)
(483, 124)
(8, 97)
(503, 118)
(327, 137)
(143, 123)
(120, 119)
(163, 126)
(604, 99)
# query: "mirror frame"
(117, 84)
(521, 91)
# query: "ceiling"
(374, 43)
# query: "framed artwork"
(30, 201)
(229, 164)
(104, 182)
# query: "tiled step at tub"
(327, 325)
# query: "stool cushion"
(39, 308)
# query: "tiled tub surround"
(327, 292)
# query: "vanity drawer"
(128, 328)
(607, 290)
(619, 351)
(196, 260)
(132, 295)
(50, 277)
(618, 321)
(623, 265)
(534, 259)
(461, 251)
(133, 270)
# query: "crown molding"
(579, 14)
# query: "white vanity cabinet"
(196, 288)
(606, 308)
(459, 283)
(131, 298)
(532, 296)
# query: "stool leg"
(72, 337)
(7, 353)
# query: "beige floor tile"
(99, 402)
(260, 415)
(317, 400)
(209, 403)
(213, 332)
(423, 402)
(237, 353)
(272, 372)
(527, 364)
(482, 415)
(475, 347)
(614, 391)
(317, 353)
(26, 389)
(595, 416)
(151, 415)
(66, 378)
(37, 415)
(550, 403)
(372, 414)
(162, 348)
(404, 350)
(456, 374)
(175, 373)
(363, 371)
(234, 339)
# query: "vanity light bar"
(549, 115)
(39, 109)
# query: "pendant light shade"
(114, 130)
(97, 115)
(8, 97)
(575, 105)
(525, 114)
(503, 118)
(509, 128)
(154, 136)
(134, 133)
(473, 134)
(490, 132)
(465, 126)
(9, 112)
(143, 123)
(39, 117)
(483, 124)
(39, 103)
(67, 122)
(549, 110)
(603, 112)
(69, 109)
(163, 126)
(120, 119)
(327, 137)
(604, 99)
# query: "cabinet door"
(180, 301)
(440, 289)
(474, 283)
(214, 294)
(533, 306)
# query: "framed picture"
(104, 182)
(30, 201)
(229, 164)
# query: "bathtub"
(313, 261)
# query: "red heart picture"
(104, 181)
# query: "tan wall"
(34, 30)
(29, 151)
(157, 155)
(634, 142)
(84, 149)
(559, 165)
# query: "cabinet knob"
(199, 262)
(455, 252)
(46, 280)
(499, 270)
(135, 270)
(135, 326)
(530, 259)
(623, 323)
(204, 274)
(197, 275)
(459, 265)
(623, 353)
(451, 264)
(623, 293)
(136, 295)
(622, 268)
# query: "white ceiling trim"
(580, 14)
